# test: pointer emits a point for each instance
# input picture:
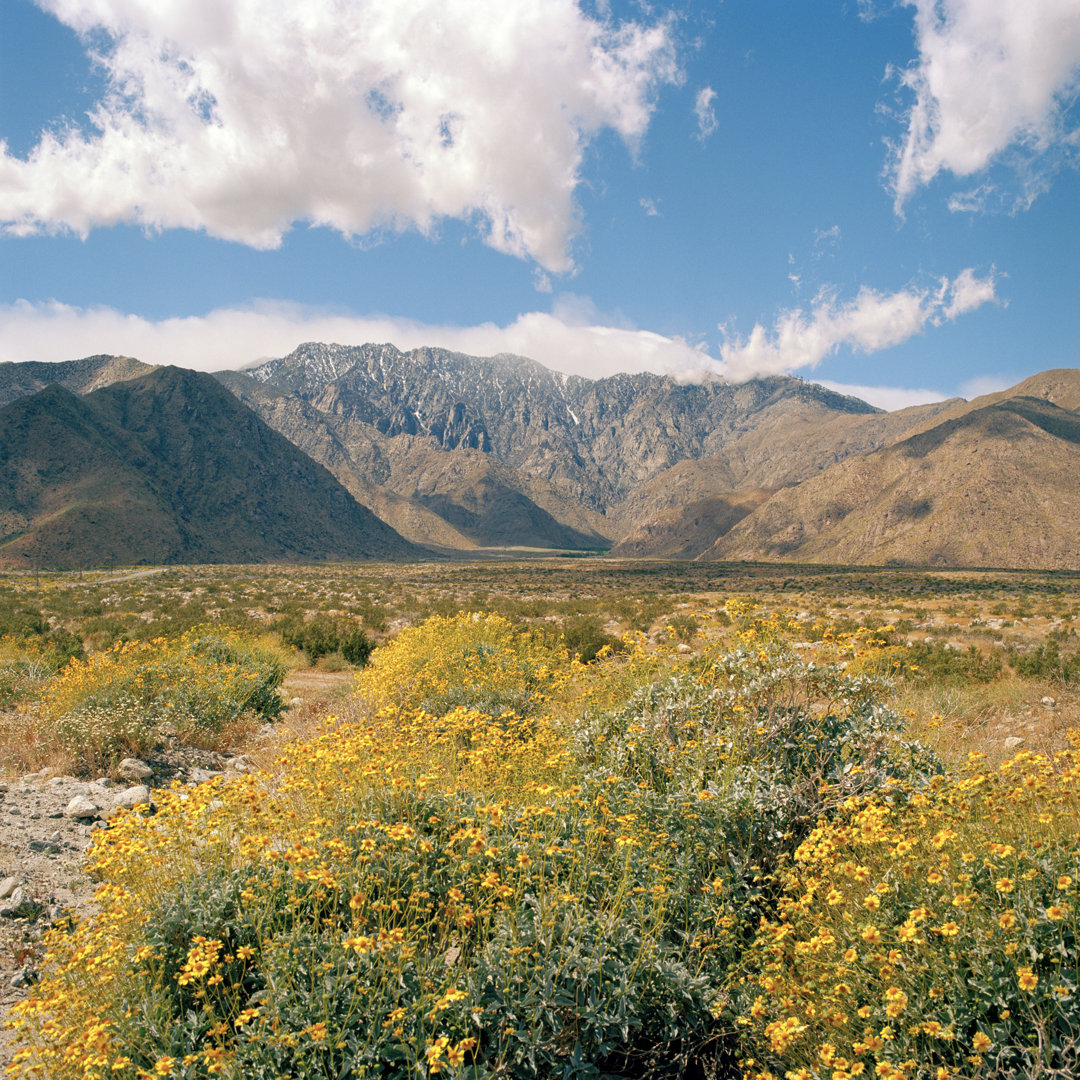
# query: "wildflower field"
(777, 833)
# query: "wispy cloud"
(574, 337)
(872, 321)
(993, 79)
(705, 113)
(826, 240)
(241, 119)
(650, 207)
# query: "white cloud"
(993, 78)
(867, 324)
(569, 340)
(705, 113)
(826, 240)
(649, 206)
(889, 398)
(240, 117)
(967, 292)
(987, 384)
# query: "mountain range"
(459, 454)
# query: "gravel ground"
(46, 829)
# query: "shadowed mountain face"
(167, 467)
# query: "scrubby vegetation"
(324, 635)
(127, 699)
(779, 837)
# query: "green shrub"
(127, 700)
(584, 636)
(1048, 661)
(938, 663)
(325, 634)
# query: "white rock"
(81, 807)
(1013, 741)
(19, 898)
(134, 769)
(134, 796)
(1049, 702)
(8, 886)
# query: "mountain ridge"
(168, 467)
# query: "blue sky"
(873, 195)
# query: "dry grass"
(26, 748)
(980, 717)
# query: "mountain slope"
(167, 467)
(994, 484)
(79, 376)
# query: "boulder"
(81, 808)
(132, 797)
(134, 769)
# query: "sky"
(880, 196)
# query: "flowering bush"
(929, 933)
(130, 697)
(740, 861)
(481, 661)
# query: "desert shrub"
(322, 635)
(25, 666)
(1048, 661)
(683, 627)
(469, 894)
(28, 661)
(741, 866)
(584, 637)
(937, 663)
(480, 661)
(134, 695)
(769, 741)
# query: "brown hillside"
(995, 485)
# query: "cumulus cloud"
(570, 339)
(993, 79)
(867, 324)
(241, 117)
(705, 113)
